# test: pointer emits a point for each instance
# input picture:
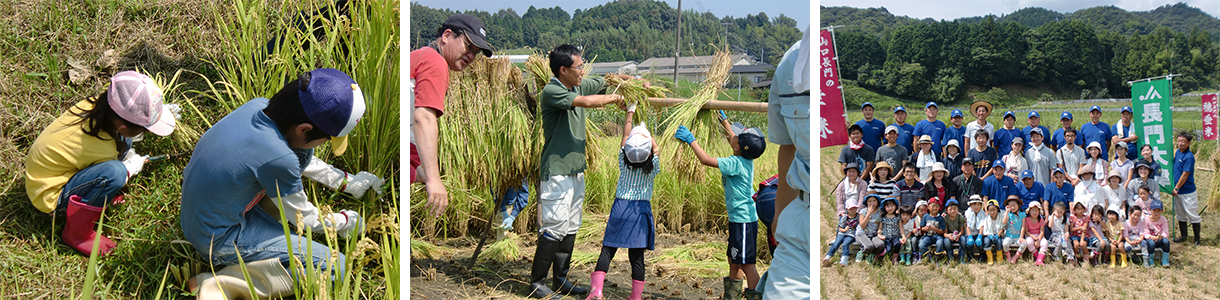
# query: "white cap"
(639, 144)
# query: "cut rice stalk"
(702, 124)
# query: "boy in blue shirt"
(1185, 198)
(871, 127)
(737, 176)
(905, 131)
(931, 127)
(956, 132)
(933, 224)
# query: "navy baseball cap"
(1034, 114)
(900, 109)
(1127, 109)
(473, 28)
(998, 163)
(1027, 174)
(866, 104)
(750, 140)
(957, 113)
(333, 102)
(1010, 114)
(1066, 115)
(930, 104)
(1095, 107)
(1157, 204)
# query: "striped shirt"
(634, 184)
(885, 190)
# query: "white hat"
(954, 144)
(1094, 145)
(639, 144)
(939, 167)
(925, 139)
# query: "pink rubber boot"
(595, 282)
(1039, 261)
(637, 290)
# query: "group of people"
(982, 191)
(564, 100)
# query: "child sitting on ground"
(1032, 232)
(737, 172)
(890, 229)
(846, 234)
(1013, 223)
(990, 230)
(1059, 233)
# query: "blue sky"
(798, 10)
(949, 10)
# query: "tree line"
(621, 30)
(931, 60)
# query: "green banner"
(1153, 104)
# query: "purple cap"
(136, 98)
(332, 101)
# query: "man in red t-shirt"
(458, 41)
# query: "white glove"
(134, 162)
(631, 108)
(362, 182)
(353, 225)
(139, 137)
(175, 109)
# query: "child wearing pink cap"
(78, 163)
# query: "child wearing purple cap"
(1156, 235)
(236, 198)
(78, 163)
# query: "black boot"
(543, 256)
(1182, 229)
(563, 260)
(1195, 227)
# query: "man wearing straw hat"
(561, 191)
(458, 41)
(980, 110)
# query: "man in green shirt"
(562, 188)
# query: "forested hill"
(621, 30)
(1092, 51)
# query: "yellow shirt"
(61, 150)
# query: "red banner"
(1209, 116)
(834, 116)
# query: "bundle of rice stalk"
(506, 249)
(702, 123)
(635, 93)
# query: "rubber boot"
(637, 290)
(1123, 258)
(990, 257)
(1195, 227)
(1165, 259)
(1147, 261)
(894, 259)
(78, 228)
(732, 289)
(1040, 257)
(544, 255)
(563, 262)
(751, 294)
(1112, 262)
(595, 285)
(1182, 229)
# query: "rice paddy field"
(1192, 274)
(491, 140)
(210, 57)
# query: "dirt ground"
(697, 275)
(1192, 274)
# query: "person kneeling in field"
(630, 224)
(78, 164)
(738, 173)
(249, 165)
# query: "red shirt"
(431, 75)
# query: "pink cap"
(137, 99)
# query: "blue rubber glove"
(508, 222)
(722, 115)
(684, 134)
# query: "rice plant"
(702, 123)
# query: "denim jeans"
(843, 241)
(929, 241)
(1150, 245)
(973, 242)
(96, 185)
(262, 237)
(991, 242)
